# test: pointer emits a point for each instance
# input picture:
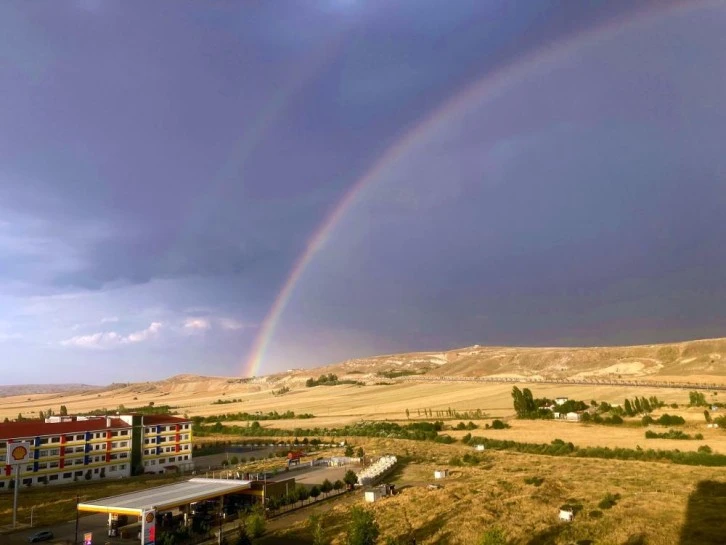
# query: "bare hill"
(685, 361)
(29, 389)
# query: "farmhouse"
(570, 417)
(441, 473)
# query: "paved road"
(65, 531)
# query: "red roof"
(13, 430)
(157, 419)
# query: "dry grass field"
(653, 506)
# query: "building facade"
(71, 448)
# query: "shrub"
(608, 501)
(536, 481)
(493, 536)
(595, 514)
(705, 449)
(499, 425)
(362, 528)
(255, 525)
(670, 420)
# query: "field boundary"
(587, 382)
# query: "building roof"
(13, 430)
(166, 497)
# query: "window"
(122, 467)
(114, 434)
(162, 460)
(43, 453)
(55, 440)
(112, 468)
(80, 437)
(123, 455)
(44, 441)
(2, 484)
(123, 444)
(96, 471)
(3, 444)
(53, 464)
(53, 477)
(69, 438)
(172, 459)
(2, 457)
(67, 475)
(124, 433)
(54, 452)
(27, 482)
(42, 465)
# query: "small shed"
(480, 448)
(374, 494)
(566, 515)
(441, 473)
(573, 417)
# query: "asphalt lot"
(96, 524)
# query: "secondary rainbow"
(486, 88)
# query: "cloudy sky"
(244, 187)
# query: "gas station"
(147, 504)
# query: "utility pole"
(15, 494)
(78, 499)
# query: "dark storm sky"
(164, 166)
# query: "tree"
(255, 525)
(242, 537)
(41, 415)
(63, 410)
(234, 460)
(315, 524)
(359, 453)
(362, 529)
(338, 485)
(408, 414)
(707, 416)
(302, 492)
(350, 478)
(326, 487)
(628, 408)
(315, 492)
(638, 406)
(348, 450)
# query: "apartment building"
(71, 448)
(62, 452)
(166, 443)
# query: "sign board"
(88, 538)
(148, 527)
(18, 453)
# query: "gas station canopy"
(167, 497)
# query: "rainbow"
(487, 88)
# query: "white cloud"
(231, 324)
(197, 324)
(109, 339)
(109, 319)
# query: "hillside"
(689, 360)
(28, 389)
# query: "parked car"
(43, 535)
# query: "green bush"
(705, 448)
(608, 501)
(595, 514)
(255, 525)
(493, 536)
(536, 481)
